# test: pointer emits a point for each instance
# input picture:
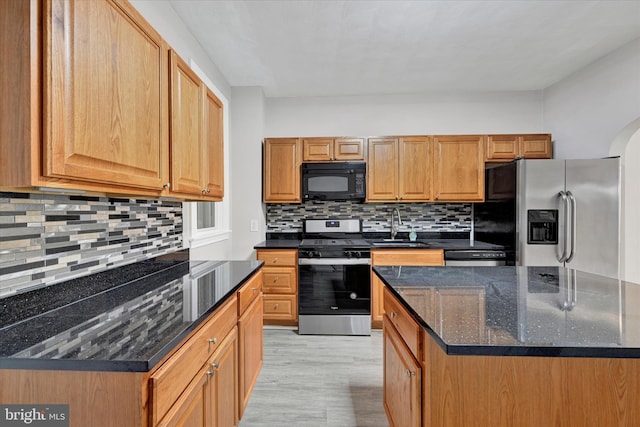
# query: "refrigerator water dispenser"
(542, 226)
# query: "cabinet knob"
(167, 185)
(275, 260)
(215, 365)
(394, 314)
(213, 340)
(275, 279)
(208, 190)
(411, 373)
(210, 373)
(275, 307)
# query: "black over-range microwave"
(334, 181)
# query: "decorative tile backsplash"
(376, 217)
(45, 239)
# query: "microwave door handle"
(574, 215)
(565, 213)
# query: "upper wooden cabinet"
(399, 169)
(329, 149)
(86, 105)
(501, 148)
(459, 168)
(105, 95)
(196, 135)
(282, 160)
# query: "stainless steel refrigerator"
(554, 213)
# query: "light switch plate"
(253, 225)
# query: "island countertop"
(116, 320)
(520, 311)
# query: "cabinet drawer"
(408, 329)
(280, 307)
(249, 292)
(407, 257)
(282, 280)
(278, 257)
(172, 378)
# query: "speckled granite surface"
(123, 320)
(521, 311)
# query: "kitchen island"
(510, 346)
(157, 342)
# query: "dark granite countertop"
(122, 324)
(425, 241)
(521, 311)
(278, 244)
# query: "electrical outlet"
(253, 225)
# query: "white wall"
(247, 132)
(166, 21)
(587, 110)
(433, 113)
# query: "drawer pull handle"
(275, 307)
(254, 289)
(275, 260)
(275, 279)
(213, 340)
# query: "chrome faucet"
(394, 226)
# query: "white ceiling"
(336, 47)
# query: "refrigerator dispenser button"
(543, 226)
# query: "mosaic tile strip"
(45, 239)
(376, 217)
(126, 332)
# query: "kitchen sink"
(399, 243)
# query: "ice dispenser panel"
(542, 226)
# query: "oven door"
(334, 297)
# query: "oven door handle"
(334, 261)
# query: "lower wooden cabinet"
(211, 398)
(250, 342)
(223, 384)
(402, 388)
(280, 286)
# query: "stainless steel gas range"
(333, 278)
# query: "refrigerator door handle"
(565, 237)
(574, 222)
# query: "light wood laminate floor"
(318, 380)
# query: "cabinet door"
(223, 384)
(250, 338)
(348, 149)
(192, 409)
(502, 147)
(402, 381)
(186, 128)
(382, 169)
(415, 168)
(535, 146)
(377, 301)
(105, 95)
(317, 149)
(459, 168)
(282, 159)
(213, 140)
